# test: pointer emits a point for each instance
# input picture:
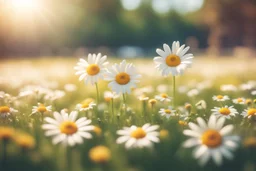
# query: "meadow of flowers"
(175, 111)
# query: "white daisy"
(85, 106)
(122, 77)
(163, 97)
(41, 108)
(226, 111)
(239, 100)
(167, 112)
(220, 98)
(6, 111)
(92, 70)
(173, 60)
(108, 95)
(249, 112)
(134, 136)
(66, 129)
(212, 140)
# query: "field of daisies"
(172, 111)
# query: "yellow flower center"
(97, 130)
(85, 105)
(122, 78)
(163, 133)
(167, 111)
(138, 133)
(183, 123)
(93, 69)
(41, 108)
(4, 109)
(164, 95)
(251, 111)
(68, 127)
(152, 101)
(6, 133)
(224, 111)
(219, 97)
(239, 100)
(100, 154)
(211, 138)
(172, 60)
(25, 141)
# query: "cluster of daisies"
(211, 138)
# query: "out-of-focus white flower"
(41, 108)
(163, 97)
(162, 88)
(204, 85)
(192, 93)
(167, 112)
(70, 87)
(143, 97)
(211, 140)
(239, 100)
(6, 111)
(201, 104)
(220, 98)
(54, 95)
(246, 87)
(134, 136)
(182, 89)
(228, 87)
(253, 92)
(249, 112)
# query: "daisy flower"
(134, 136)
(167, 112)
(41, 108)
(163, 97)
(6, 111)
(228, 87)
(239, 100)
(122, 77)
(85, 106)
(92, 70)
(212, 140)
(174, 60)
(67, 129)
(249, 112)
(226, 111)
(220, 98)
(193, 93)
(108, 96)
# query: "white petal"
(201, 123)
(122, 139)
(220, 123)
(212, 122)
(200, 151)
(130, 142)
(191, 133)
(217, 157)
(85, 134)
(226, 130)
(191, 142)
(152, 128)
(51, 121)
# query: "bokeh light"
(130, 4)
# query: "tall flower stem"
(173, 91)
(4, 157)
(112, 106)
(97, 90)
(124, 100)
(69, 158)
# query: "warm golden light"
(24, 5)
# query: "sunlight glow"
(24, 5)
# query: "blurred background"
(125, 28)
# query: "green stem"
(112, 105)
(97, 90)
(173, 91)
(69, 158)
(124, 100)
(4, 158)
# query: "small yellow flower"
(152, 101)
(188, 107)
(100, 154)
(25, 141)
(248, 102)
(6, 133)
(163, 133)
(97, 130)
(183, 123)
(250, 142)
